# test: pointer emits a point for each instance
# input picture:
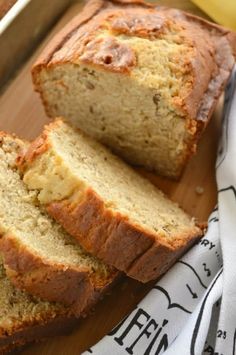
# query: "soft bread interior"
(33, 229)
(133, 113)
(19, 309)
(77, 163)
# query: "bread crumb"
(199, 190)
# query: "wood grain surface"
(21, 112)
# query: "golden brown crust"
(207, 68)
(212, 65)
(75, 287)
(36, 148)
(82, 32)
(115, 240)
(91, 9)
(142, 19)
(38, 331)
(106, 51)
(110, 236)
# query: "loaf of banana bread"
(142, 79)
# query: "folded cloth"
(192, 309)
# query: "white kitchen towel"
(192, 309)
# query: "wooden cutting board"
(21, 112)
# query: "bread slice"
(24, 318)
(38, 255)
(143, 80)
(112, 211)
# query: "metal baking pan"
(22, 28)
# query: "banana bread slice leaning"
(25, 318)
(110, 209)
(39, 256)
(140, 78)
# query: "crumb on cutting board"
(199, 190)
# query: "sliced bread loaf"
(143, 80)
(38, 255)
(24, 318)
(111, 210)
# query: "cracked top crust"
(97, 37)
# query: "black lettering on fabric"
(136, 321)
(205, 242)
(163, 345)
(206, 269)
(162, 342)
(147, 331)
(209, 350)
(194, 271)
(199, 318)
